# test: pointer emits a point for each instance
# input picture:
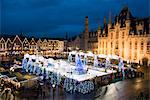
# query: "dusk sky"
(53, 18)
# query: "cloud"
(59, 16)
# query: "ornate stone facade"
(127, 37)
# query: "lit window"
(123, 44)
(136, 45)
(122, 53)
(135, 55)
(111, 35)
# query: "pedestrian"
(10, 95)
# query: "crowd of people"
(7, 89)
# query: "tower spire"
(99, 27)
(109, 18)
(104, 20)
(128, 14)
(86, 24)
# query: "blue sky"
(53, 18)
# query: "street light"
(53, 90)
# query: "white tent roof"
(33, 57)
(41, 58)
(73, 52)
(102, 56)
(26, 56)
(50, 60)
(81, 53)
(90, 54)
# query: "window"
(123, 44)
(117, 34)
(111, 45)
(130, 45)
(123, 53)
(148, 46)
(111, 35)
(142, 46)
(116, 44)
(122, 34)
(135, 55)
(136, 45)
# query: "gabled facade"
(39, 44)
(44, 44)
(8, 45)
(26, 45)
(60, 46)
(49, 45)
(17, 44)
(2, 44)
(75, 43)
(33, 44)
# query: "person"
(44, 75)
(95, 61)
(5, 93)
(10, 96)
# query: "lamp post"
(53, 90)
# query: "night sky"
(53, 18)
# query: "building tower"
(98, 36)
(109, 21)
(128, 21)
(86, 34)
